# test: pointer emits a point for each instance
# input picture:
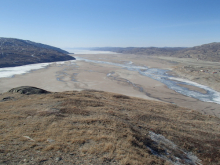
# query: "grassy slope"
(100, 128)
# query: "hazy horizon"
(98, 23)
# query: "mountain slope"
(209, 52)
(16, 52)
(95, 127)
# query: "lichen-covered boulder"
(28, 90)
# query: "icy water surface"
(11, 71)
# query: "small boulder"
(58, 159)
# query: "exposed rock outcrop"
(28, 90)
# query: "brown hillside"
(94, 127)
(17, 52)
(207, 52)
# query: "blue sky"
(99, 23)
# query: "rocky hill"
(95, 127)
(16, 52)
(209, 52)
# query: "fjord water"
(154, 73)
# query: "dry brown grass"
(100, 128)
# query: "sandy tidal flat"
(81, 74)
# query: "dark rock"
(28, 90)
(8, 98)
(121, 97)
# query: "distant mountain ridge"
(209, 52)
(17, 52)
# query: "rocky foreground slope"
(16, 52)
(95, 127)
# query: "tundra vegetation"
(95, 127)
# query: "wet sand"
(104, 77)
